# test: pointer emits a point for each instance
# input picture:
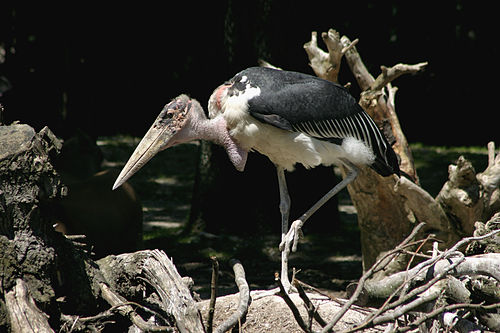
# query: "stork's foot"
(291, 239)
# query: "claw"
(292, 237)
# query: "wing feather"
(313, 106)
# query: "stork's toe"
(291, 239)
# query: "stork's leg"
(292, 236)
(285, 213)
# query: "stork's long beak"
(159, 137)
(155, 140)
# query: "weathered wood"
(487, 265)
(27, 181)
(132, 274)
(388, 207)
(381, 211)
(23, 313)
(326, 65)
(244, 299)
(468, 196)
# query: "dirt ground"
(264, 313)
(327, 261)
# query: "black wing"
(319, 108)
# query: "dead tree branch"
(126, 310)
(326, 65)
(311, 309)
(291, 305)
(487, 264)
(23, 313)
(244, 298)
(366, 276)
(213, 293)
(434, 276)
(171, 296)
(387, 75)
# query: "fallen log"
(24, 315)
(132, 275)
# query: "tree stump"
(27, 180)
(47, 283)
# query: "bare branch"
(326, 65)
(358, 68)
(244, 301)
(447, 308)
(491, 153)
(487, 264)
(319, 60)
(296, 314)
(213, 293)
(365, 277)
(391, 73)
(309, 305)
(126, 310)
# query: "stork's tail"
(388, 164)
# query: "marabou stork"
(290, 117)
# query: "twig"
(426, 286)
(107, 314)
(382, 287)
(312, 311)
(126, 310)
(350, 46)
(244, 301)
(418, 249)
(365, 276)
(213, 293)
(391, 73)
(296, 314)
(375, 318)
(420, 255)
(398, 312)
(440, 272)
(447, 308)
(491, 153)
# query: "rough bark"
(27, 180)
(47, 283)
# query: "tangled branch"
(429, 285)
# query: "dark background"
(109, 69)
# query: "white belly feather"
(284, 148)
